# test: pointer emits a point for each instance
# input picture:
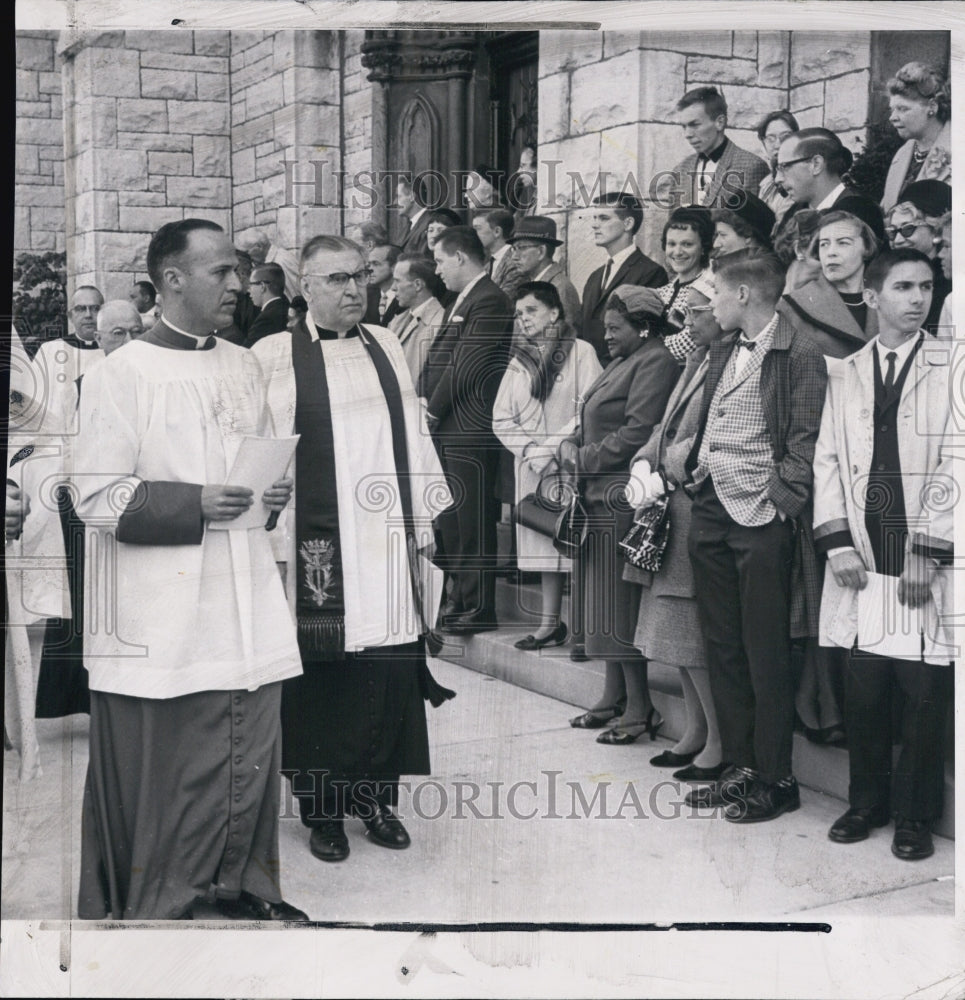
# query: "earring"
(931, 114)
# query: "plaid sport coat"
(737, 170)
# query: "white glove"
(644, 486)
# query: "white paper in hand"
(259, 463)
(889, 628)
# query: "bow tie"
(749, 344)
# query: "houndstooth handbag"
(644, 544)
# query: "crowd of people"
(776, 375)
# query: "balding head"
(255, 243)
(117, 322)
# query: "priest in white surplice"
(367, 485)
(188, 636)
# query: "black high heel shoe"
(619, 737)
(556, 638)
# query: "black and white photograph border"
(541, 863)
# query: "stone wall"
(39, 159)
(146, 133)
(607, 104)
(365, 137)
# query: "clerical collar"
(81, 345)
(320, 333)
(197, 343)
(715, 154)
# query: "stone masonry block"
(264, 49)
(40, 131)
(50, 153)
(139, 219)
(747, 105)
(242, 41)
(745, 45)
(317, 49)
(122, 251)
(95, 124)
(142, 116)
(212, 156)
(265, 97)
(554, 106)
(26, 160)
(819, 54)
(252, 74)
(170, 163)
(253, 131)
(33, 109)
(114, 72)
(615, 43)
(21, 224)
(35, 53)
(810, 117)
(47, 218)
(157, 182)
(42, 241)
(708, 43)
(184, 63)
(773, 53)
(120, 170)
(51, 82)
(711, 70)
(168, 83)
(198, 117)
(660, 85)
(807, 95)
(605, 94)
(40, 195)
(171, 40)
(243, 216)
(27, 85)
(283, 50)
(243, 165)
(212, 86)
(96, 210)
(199, 192)
(564, 50)
(56, 106)
(152, 199)
(168, 142)
(846, 101)
(312, 86)
(212, 43)
(317, 125)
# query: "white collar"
(422, 308)
(539, 277)
(619, 258)
(831, 197)
(769, 326)
(461, 296)
(274, 298)
(200, 340)
(501, 252)
(903, 351)
(313, 329)
(415, 218)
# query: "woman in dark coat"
(618, 413)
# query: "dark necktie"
(606, 274)
(748, 344)
(891, 357)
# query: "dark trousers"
(468, 529)
(919, 775)
(743, 589)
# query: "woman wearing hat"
(748, 225)
(687, 241)
(535, 409)
(618, 413)
(916, 221)
(668, 629)
(921, 109)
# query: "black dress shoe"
(912, 840)
(386, 830)
(328, 841)
(578, 653)
(249, 907)
(734, 784)
(556, 638)
(694, 772)
(855, 825)
(764, 802)
(670, 759)
(470, 623)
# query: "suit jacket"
(273, 318)
(618, 413)
(288, 262)
(842, 463)
(793, 380)
(416, 337)
(849, 201)
(415, 240)
(569, 296)
(818, 311)
(937, 166)
(738, 169)
(466, 363)
(637, 269)
(507, 275)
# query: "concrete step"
(551, 672)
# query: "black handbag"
(644, 544)
(555, 510)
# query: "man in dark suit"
(718, 170)
(267, 290)
(414, 217)
(382, 306)
(751, 477)
(616, 220)
(810, 164)
(459, 382)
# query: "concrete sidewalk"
(523, 819)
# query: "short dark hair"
(299, 304)
(170, 241)
(698, 219)
(777, 116)
(462, 239)
(274, 278)
(625, 205)
(392, 256)
(545, 292)
(501, 219)
(422, 267)
(825, 143)
(710, 97)
(760, 269)
(876, 273)
(328, 244)
(444, 216)
(146, 288)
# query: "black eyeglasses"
(780, 168)
(341, 278)
(907, 230)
